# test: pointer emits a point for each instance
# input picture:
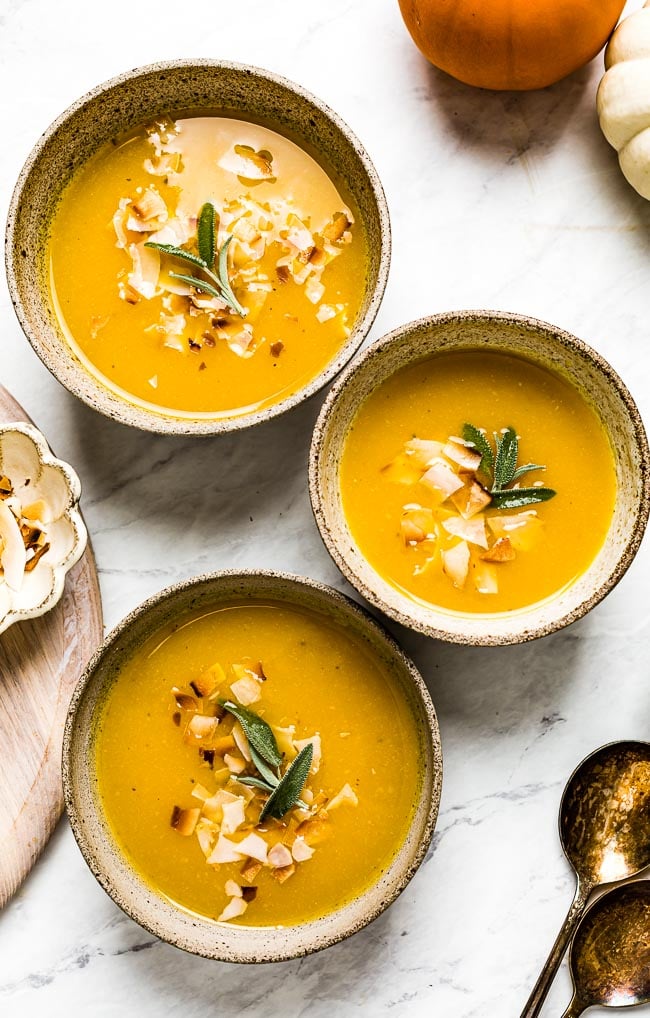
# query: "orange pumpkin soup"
(257, 764)
(478, 482)
(205, 266)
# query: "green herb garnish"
(501, 469)
(287, 792)
(257, 731)
(284, 792)
(214, 266)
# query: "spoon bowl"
(605, 835)
(610, 953)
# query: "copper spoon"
(610, 953)
(605, 834)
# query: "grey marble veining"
(505, 201)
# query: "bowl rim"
(431, 629)
(429, 804)
(91, 390)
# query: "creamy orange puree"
(543, 547)
(296, 269)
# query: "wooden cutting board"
(40, 662)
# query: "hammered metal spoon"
(605, 834)
(610, 953)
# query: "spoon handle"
(575, 1008)
(546, 976)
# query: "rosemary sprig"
(214, 266)
(502, 470)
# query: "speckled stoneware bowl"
(110, 866)
(548, 346)
(126, 102)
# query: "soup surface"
(245, 331)
(478, 482)
(173, 783)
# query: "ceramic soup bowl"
(534, 341)
(109, 863)
(125, 103)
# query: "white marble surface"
(503, 201)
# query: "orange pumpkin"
(510, 44)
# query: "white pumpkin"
(624, 98)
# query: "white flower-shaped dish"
(35, 474)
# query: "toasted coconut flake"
(234, 908)
(314, 830)
(234, 815)
(402, 470)
(501, 551)
(200, 792)
(455, 563)
(163, 165)
(246, 690)
(523, 529)
(315, 742)
(423, 451)
(326, 312)
(485, 578)
(335, 230)
(241, 791)
(250, 869)
(300, 850)
(201, 728)
(249, 894)
(148, 211)
(472, 531)
(97, 323)
(224, 851)
(471, 499)
(206, 834)
(13, 556)
(183, 700)
(417, 524)
(146, 271)
(314, 290)
(254, 846)
(32, 562)
(276, 348)
(246, 163)
(347, 796)
(232, 889)
(284, 740)
(208, 683)
(241, 741)
(441, 479)
(184, 821)
(235, 764)
(459, 452)
(213, 807)
(279, 856)
(283, 873)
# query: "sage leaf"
(481, 444)
(247, 779)
(526, 468)
(199, 284)
(267, 774)
(257, 731)
(287, 792)
(514, 498)
(177, 252)
(505, 462)
(206, 227)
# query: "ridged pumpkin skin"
(510, 44)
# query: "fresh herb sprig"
(214, 265)
(283, 790)
(500, 467)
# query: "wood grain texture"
(40, 662)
